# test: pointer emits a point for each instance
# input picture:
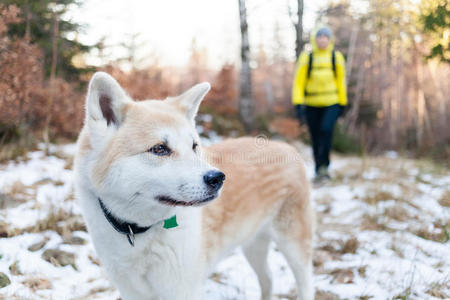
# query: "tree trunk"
(420, 101)
(354, 109)
(268, 88)
(441, 99)
(52, 82)
(245, 102)
(27, 21)
(298, 25)
(351, 51)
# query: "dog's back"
(265, 197)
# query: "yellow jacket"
(322, 88)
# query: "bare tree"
(132, 45)
(52, 82)
(351, 51)
(298, 25)
(246, 109)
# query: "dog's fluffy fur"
(265, 196)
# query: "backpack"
(333, 63)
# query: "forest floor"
(383, 232)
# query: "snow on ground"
(383, 232)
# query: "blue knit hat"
(324, 31)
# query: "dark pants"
(321, 121)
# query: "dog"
(162, 210)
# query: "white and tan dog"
(144, 185)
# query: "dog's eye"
(160, 150)
(194, 146)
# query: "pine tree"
(435, 17)
(37, 26)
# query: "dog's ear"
(105, 102)
(189, 101)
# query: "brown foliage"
(8, 15)
(223, 95)
(149, 83)
(24, 93)
(67, 110)
(286, 127)
(20, 70)
(20, 73)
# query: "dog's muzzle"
(214, 180)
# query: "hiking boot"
(322, 175)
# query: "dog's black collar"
(121, 226)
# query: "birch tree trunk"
(297, 21)
(420, 100)
(246, 109)
(351, 51)
(52, 83)
(299, 29)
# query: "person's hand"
(300, 113)
(342, 110)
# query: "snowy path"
(383, 233)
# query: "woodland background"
(398, 72)
(383, 225)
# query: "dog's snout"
(214, 179)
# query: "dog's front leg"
(193, 291)
(132, 294)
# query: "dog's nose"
(214, 179)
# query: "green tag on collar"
(171, 222)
